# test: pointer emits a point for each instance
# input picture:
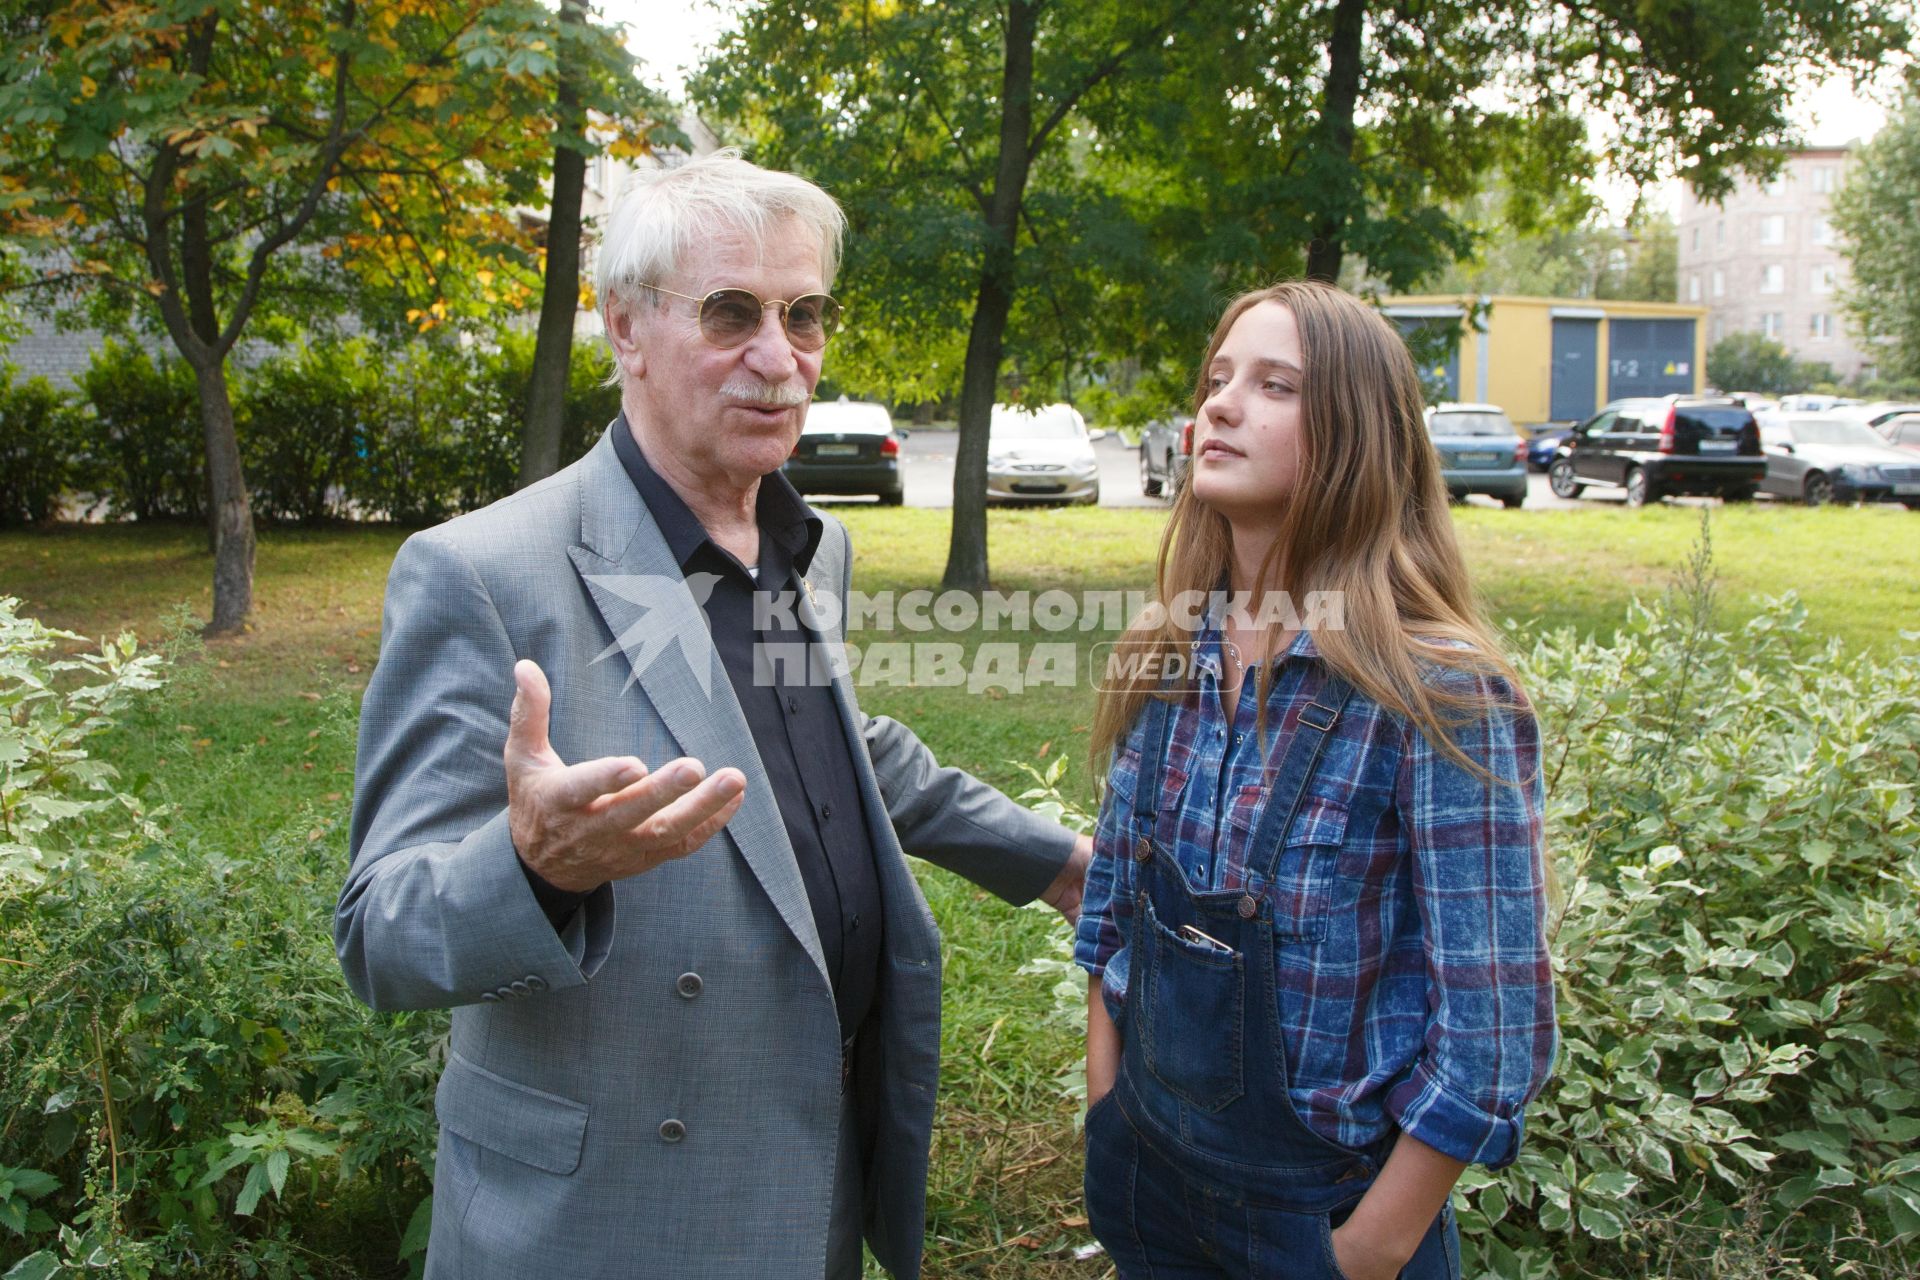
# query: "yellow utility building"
(1557, 359)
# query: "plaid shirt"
(1414, 984)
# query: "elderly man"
(658, 874)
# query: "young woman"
(1315, 918)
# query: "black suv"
(1652, 448)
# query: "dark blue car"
(1540, 448)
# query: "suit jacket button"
(689, 985)
(672, 1131)
(489, 997)
(536, 983)
(521, 988)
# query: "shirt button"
(826, 811)
(689, 985)
(672, 1131)
(793, 706)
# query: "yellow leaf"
(484, 277)
(88, 87)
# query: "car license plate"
(1719, 446)
(836, 451)
(1477, 457)
(1905, 489)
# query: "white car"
(1041, 455)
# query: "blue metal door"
(1576, 379)
(1649, 358)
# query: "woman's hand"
(1103, 1047)
(1360, 1259)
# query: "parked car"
(1824, 458)
(1166, 449)
(1040, 455)
(1541, 448)
(1903, 432)
(1813, 402)
(848, 447)
(1480, 452)
(1873, 415)
(1648, 449)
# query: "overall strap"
(1289, 786)
(1147, 783)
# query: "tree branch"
(1104, 72)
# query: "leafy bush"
(1754, 362)
(147, 443)
(189, 1089)
(38, 440)
(589, 408)
(1738, 1092)
(303, 423)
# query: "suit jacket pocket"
(539, 1129)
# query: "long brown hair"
(1368, 519)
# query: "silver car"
(1041, 455)
(1480, 452)
(1818, 458)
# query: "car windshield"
(1470, 424)
(1816, 431)
(1055, 422)
(833, 416)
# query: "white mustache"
(756, 391)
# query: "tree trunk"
(230, 512)
(967, 546)
(560, 285)
(1328, 246)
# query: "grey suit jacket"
(605, 1112)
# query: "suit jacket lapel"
(660, 633)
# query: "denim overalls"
(1197, 1163)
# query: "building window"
(1823, 179)
(1777, 185)
(1696, 239)
(1773, 278)
(1822, 326)
(1773, 229)
(1719, 283)
(1823, 231)
(1693, 288)
(1770, 324)
(1720, 231)
(1719, 328)
(1824, 279)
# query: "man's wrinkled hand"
(1063, 895)
(579, 826)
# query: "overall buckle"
(1325, 714)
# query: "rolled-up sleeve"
(1479, 881)
(1106, 904)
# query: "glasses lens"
(811, 321)
(728, 317)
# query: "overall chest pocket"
(1191, 1022)
(1301, 890)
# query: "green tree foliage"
(1753, 362)
(1877, 212)
(39, 439)
(1039, 188)
(197, 163)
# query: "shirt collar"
(1208, 649)
(783, 515)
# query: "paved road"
(928, 459)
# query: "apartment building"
(1767, 260)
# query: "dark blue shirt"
(789, 709)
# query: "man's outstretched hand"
(579, 826)
(1063, 895)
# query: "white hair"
(665, 212)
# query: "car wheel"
(1640, 490)
(1561, 480)
(893, 499)
(1739, 495)
(1911, 506)
(1817, 489)
(1092, 499)
(1514, 500)
(1149, 483)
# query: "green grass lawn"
(259, 738)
